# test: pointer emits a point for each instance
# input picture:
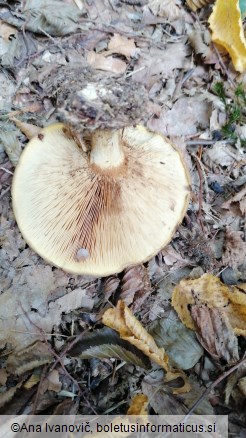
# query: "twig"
(203, 142)
(58, 358)
(6, 170)
(208, 390)
(199, 170)
(52, 39)
(213, 385)
(42, 379)
(4, 192)
(223, 65)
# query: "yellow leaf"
(138, 405)
(209, 290)
(32, 381)
(130, 329)
(197, 4)
(174, 374)
(227, 31)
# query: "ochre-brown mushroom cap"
(88, 222)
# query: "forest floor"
(187, 90)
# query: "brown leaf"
(239, 197)
(29, 358)
(198, 4)
(131, 330)
(7, 396)
(28, 290)
(6, 30)
(11, 145)
(165, 8)
(135, 286)
(3, 377)
(242, 386)
(110, 285)
(122, 45)
(210, 291)
(215, 333)
(138, 405)
(51, 382)
(175, 374)
(155, 62)
(101, 62)
(235, 248)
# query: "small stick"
(42, 379)
(6, 170)
(203, 142)
(209, 389)
(199, 170)
(214, 384)
(4, 192)
(223, 65)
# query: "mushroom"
(100, 211)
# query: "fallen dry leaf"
(122, 45)
(138, 405)
(7, 396)
(172, 257)
(51, 382)
(215, 333)
(51, 16)
(173, 374)
(24, 313)
(75, 299)
(3, 377)
(110, 285)
(153, 62)
(210, 291)
(189, 113)
(106, 343)
(29, 358)
(165, 8)
(32, 381)
(239, 197)
(235, 248)
(197, 4)
(179, 342)
(101, 62)
(223, 154)
(11, 144)
(6, 30)
(242, 386)
(131, 330)
(227, 31)
(135, 287)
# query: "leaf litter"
(151, 63)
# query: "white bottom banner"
(144, 426)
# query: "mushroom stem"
(107, 153)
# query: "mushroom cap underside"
(90, 223)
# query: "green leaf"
(105, 344)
